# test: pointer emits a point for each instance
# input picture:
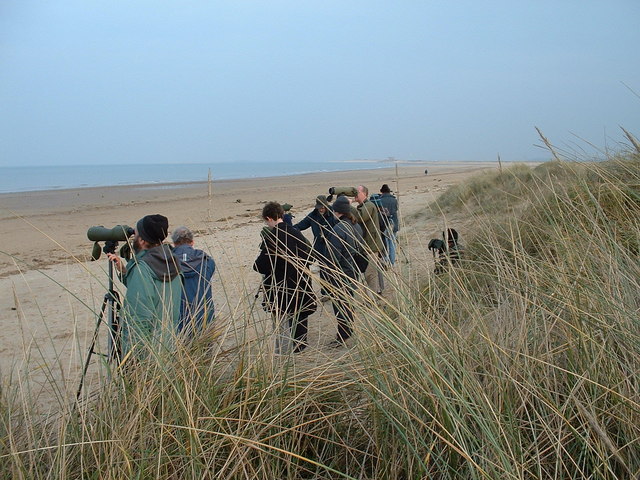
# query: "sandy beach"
(50, 292)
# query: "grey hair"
(182, 235)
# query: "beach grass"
(520, 362)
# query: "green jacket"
(368, 218)
(151, 309)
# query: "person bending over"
(450, 253)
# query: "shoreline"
(186, 183)
(48, 227)
(298, 169)
(16, 204)
(178, 184)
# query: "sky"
(112, 82)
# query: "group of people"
(169, 292)
(349, 239)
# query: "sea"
(27, 179)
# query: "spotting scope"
(348, 191)
(118, 233)
(337, 191)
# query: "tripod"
(110, 311)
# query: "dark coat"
(390, 203)
(344, 245)
(283, 260)
(322, 229)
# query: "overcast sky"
(115, 81)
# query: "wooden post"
(397, 184)
(499, 164)
(209, 194)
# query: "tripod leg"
(115, 348)
(93, 345)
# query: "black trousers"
(342, 298)
(298, 325)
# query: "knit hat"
(153, 228)
(342, 205)
(321, 202)
(385, 189)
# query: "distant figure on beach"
(196, 308)
(390, 219)
(343, 248)
(370, 223)
(321, 221)
(151, 307)
(283, 260)
(451, 251)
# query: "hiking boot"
(299, 348)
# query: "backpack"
(383, 212)
(358, 253)
(361, 260)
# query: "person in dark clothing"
(389, 205)
(283, 260)
(321, 221)
(196, 309)
(451, 252)
(342, 248)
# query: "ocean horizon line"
(23, 179)
(253, 162)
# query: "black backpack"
(358, 253)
